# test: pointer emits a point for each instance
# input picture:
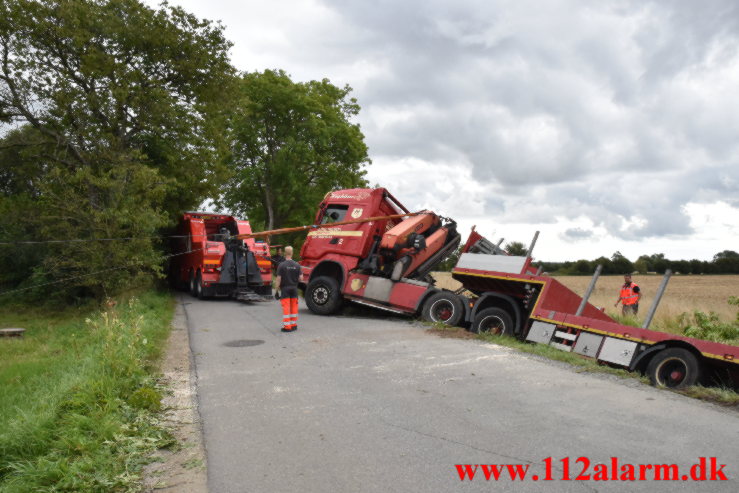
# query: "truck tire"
(191, 284)
(199, 290)
(444, 307)
(323, 296)
(494, 321)
(674, 368)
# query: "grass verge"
(78, 400)
(718, 395)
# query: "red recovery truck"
(385, 264)
(210, 261)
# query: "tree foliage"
(119, 107)
(516, 248)
(107, 81)
(722, 263)
(291, 143)
(620, 264)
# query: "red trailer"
(508, 297)
(215, 263)
(384, 263)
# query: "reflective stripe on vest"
(628, 296)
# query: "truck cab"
(336, 251)
(377, 260)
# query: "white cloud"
(609, 126)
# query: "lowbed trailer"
(509, 297)
(385, 264)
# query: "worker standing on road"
(629, 296)
(289, 274)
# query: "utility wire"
(216, 237)
(82, 240)
(90, 274)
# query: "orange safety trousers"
(289, 313)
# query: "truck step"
(377, 305)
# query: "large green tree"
(291, 143)
(125, 103)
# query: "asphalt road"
(366, 403)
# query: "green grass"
(78, 399)
(721, 395)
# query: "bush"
(147, 398)
(708, 326)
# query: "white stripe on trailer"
(492, 263)
(565, 335)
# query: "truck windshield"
(334, 213)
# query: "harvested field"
(683, 294)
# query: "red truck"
(382, 263)
(210, 262)
(386, 264)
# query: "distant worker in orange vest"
(289, 274)
(629, 296)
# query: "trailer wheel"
(494, 321)
(444, 307)
(323, 296)
(199, 292)
(674, 368)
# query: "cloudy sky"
(606, 125)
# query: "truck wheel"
(494, 321)
(674, 368)
(193, 289)
(199, 292)
(444, 307)
(323, 296)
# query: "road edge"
(183, 468)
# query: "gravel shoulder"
(181, 469)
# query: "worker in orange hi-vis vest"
(629, 296)
(289, 274)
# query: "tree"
(726, 254)
(21, 174)
(620, 264)
(102, 79)
(659, 263)
(607, 264)
(125, 103)
(680, 266)
(291, 143)
(697, 266)
(582, 266)
(516, 248)
(726, 262)
(644, 262)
